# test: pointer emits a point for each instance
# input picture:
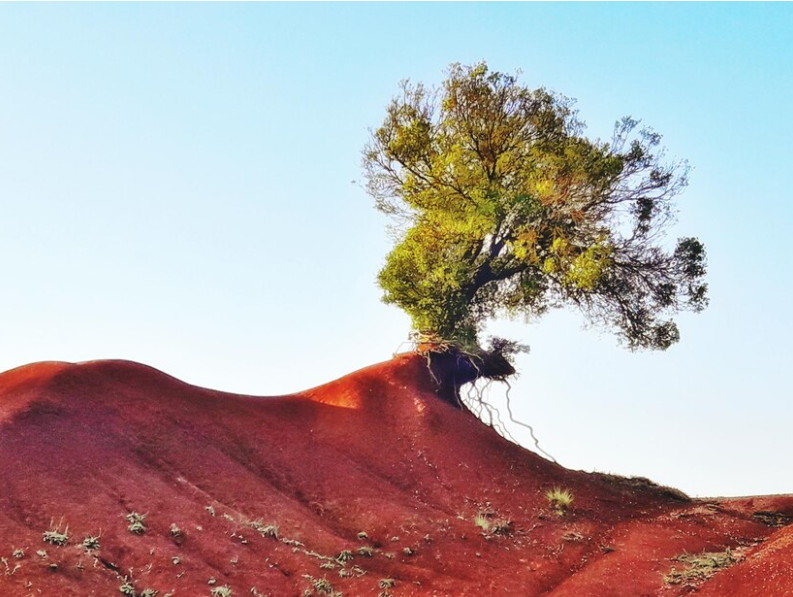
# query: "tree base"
(453, 368)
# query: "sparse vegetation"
(8, 570)
(408, 551)
(387, 583)
(365, 551)
(176, 532)
(91, 543)
(492, 525)
(701, 567)
(483, 522)
(136, 523)
(224, 591)
(322, 586)
(57, 535)
(559, 499)
(572, 536)
(265, 530)
(773, 519)
(127, 588)
(363, 536)
(644, 484)
(344, 557)
(18, 554)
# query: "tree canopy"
(503, 206)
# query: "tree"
(502, 205)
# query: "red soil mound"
(368, 485)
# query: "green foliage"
(56, 535)
(344, 557)
(127, 588)
(502, 205)
(483, 522)
(265, 530)
(559, 499)
(136, 523)
(492, 525)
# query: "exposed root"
(458, 368)
(525, 425)
(477, 403)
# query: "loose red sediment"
(374, 452)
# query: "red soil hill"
(369, 485)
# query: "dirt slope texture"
(116, 479)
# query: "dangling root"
(526, 425)
(476, 403)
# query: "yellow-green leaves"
(506, 205)
(586, 269)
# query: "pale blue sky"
(175, 183)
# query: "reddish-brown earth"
(375, 452)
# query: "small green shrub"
(492, 526)
(56, 535)
(91, 543)
(365, 551)
(387, 583)
(127, 588)
(322, 586)
(483, 522)
(136, 526)
(559, 499)
(344, 556)
(224, 591)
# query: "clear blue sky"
(176, 189)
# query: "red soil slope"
(372, 467)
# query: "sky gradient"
(176, 185)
